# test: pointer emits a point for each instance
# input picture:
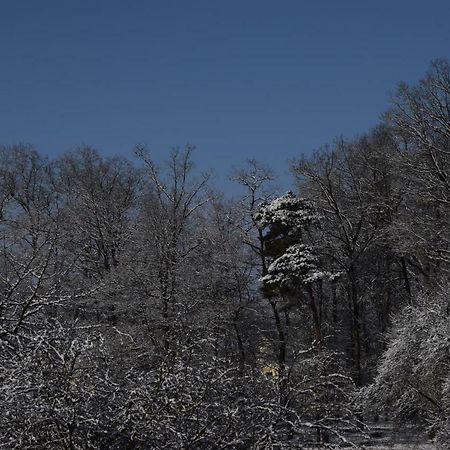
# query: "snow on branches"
(297, 264)
(287, 210)
(294, 262)
(413, 376)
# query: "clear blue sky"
(239, 79)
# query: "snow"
(287, 210)
(298, 263)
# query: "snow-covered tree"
(298, 265)
(413, 377)
(288, 211)
(294, 266)
(419, 117)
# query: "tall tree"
(420, 118)
(99, 197)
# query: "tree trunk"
(281, 352)
(355, 327)
(316, 319)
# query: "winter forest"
(142, 309)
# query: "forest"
(140, 308)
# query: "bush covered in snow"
(413, 379)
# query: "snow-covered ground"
(387, 446)
(384, 436)
(403, 447)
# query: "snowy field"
(383, 436)
(388, 446)
(402, 447)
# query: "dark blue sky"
(239, 79)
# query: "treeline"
(141, 309)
